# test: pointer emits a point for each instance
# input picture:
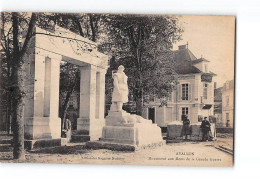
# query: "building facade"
(228, 103)
(192, 94)
(218, 107)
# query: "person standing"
(205, 128)
(67, 128)
(186, 130)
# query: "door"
(151, 114)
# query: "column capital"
(93, 68)
(44, 53)
(102, 70)
(54, 56)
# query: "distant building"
(73, 109)
(193, 95)
(228, 103)
(218, 107)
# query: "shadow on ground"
(63, 150)
(75, 149)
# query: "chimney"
(215, 85)
(182, 47)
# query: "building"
(218, 107)
(192, 94)
(73, 109)
(228, 103)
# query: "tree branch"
(29, 34)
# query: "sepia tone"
(117, 89)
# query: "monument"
(125, 128)
(47, 49)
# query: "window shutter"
(190, 92)
(210, 92)
(179, 92)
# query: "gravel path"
(177, 154)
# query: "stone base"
(119, 147)
(80, 138)
(42, 128)
(42, 143)
(128, 129)
(90, 127)
(174, 131)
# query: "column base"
(43, 143)
(80, 138)
(88, 127)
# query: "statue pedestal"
(129, 129)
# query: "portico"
(47, 50)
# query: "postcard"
(117, 89)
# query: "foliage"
(13, 24)
(141, 43)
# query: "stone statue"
(120, 91)
(122, 127)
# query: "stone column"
(99, 122)
(102, 94)
(92, 103)
(42, 124)
(87, 101)
(51, 94)
(34, 99)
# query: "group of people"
(205, 129)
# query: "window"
(185, 111)
(227, 100)
(205, 91)
(227, 116)
(185, 91)
(200, 118)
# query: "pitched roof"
(183, 59)
(199, 60)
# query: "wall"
(228, 108)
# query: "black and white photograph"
(117, 89)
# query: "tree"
(15, 27)
(141, 43)
(6, 68)
(70, 81)
(85, 25)
(14, 51)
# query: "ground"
(182, 153)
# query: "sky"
(213, 38)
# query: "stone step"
(80, 138)
(6, 141)
(44, 143)
(6, 147)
